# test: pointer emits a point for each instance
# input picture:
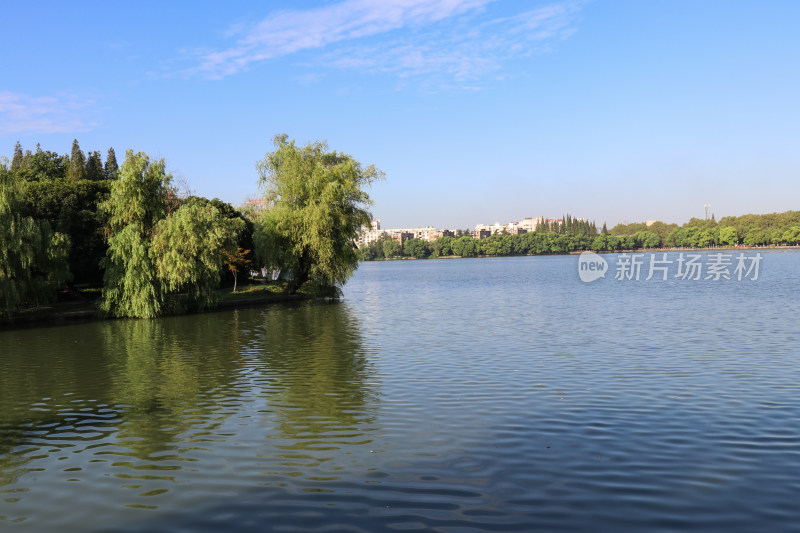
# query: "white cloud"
(21, 113)
(461, 52)
(452, 38)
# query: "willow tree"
(317, 207)
(190, 247)
(33, 259)
(160, 262)
(138, 201)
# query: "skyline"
(477, 110)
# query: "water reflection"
(171, 414)
(321, 396)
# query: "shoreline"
(769, 248)
(62, 313)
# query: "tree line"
(782, 229)
(75, 220)
(577, 235)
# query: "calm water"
(451, 395)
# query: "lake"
(457, 395)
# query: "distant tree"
(727, 236)
(442, 246)
(416, 248)
(111, 168)
(26, 159)
(792, 236)
(646, 239)
(44, 165)
(319, 206)
(94, 167)
(464, 247)
(16, 160)
(391, 248)
(77, 162)
(604, 231)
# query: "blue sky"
(477, 110)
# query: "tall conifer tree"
(111, 168)
(16, 161)
(94, 167)
(77, 162)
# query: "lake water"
(450, 395)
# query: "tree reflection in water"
(322, 390)
(176, 408)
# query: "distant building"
(256, 205)
(368, 236)
(374, 233)
(430, 234)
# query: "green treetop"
(111, 168)
(16, 161)
(94, 167)
(77, 162)
(318, 205)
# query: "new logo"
(591, 267)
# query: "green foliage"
(131, 287)
(443, 246)
(136, 203)
(159, 263)
(416, 248)
(139, 195)
(16, 160)
(646, 239)
(374, 250)
(94, 167)
(318, 206)
(228, 211)
(43, 165)
(391, 248)
(33, 261)
(71, 207)
(464, 247)
(188, 249)
(110, 169)
(727, 236)
(77, 163)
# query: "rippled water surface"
(449, 395)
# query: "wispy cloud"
(462, 52)
(458, 38)
(22, 113)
